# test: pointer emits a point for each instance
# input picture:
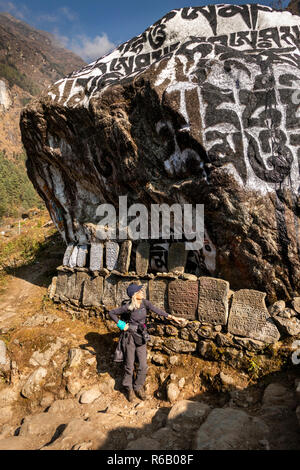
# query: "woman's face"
(140, 294)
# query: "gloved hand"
(122, 325)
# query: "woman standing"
(137, 338)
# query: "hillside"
(294, 7)
(29, 61)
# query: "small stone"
(226, 379)
(172, 392)
(179, 345)
(174, 360)
(4, 359)
(287, 313)
(89, 396)
(47, 400)
(158, 359)
(296, 304)
(74, 357)
(33, 383)
(171, 330)
(288, 326)
(181, 383)
(73, 385)
(277, 307)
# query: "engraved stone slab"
(124, 256)
(81, 256)
(183, 298)
(71, 286)
(110, 291)
(249, 317)
(177, 257)
(142, 258)
(158, 293)
(73, 257)
(61, 284)
(112, 253)
(92, 291)
(81, 277)
(122, 288)
(67, 254)
(96, 256)
(213, 300)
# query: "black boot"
(130, 395)
(141, 393)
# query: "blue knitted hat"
(133, 288)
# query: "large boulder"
(230, 429)
(200, 108)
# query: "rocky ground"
(59, 388)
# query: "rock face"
(200, 108)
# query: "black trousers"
(133, 351)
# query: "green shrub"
(17, 193)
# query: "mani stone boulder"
(201, 108)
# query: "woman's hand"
(126, 327)
(178, 320)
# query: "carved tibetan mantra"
(183, 298)
(201, 108)
(249, 317)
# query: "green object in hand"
(121, 324)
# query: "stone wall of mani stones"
(216, 317)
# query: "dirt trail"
(20, 293)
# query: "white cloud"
(91, 49)
(20, 12)
(68, 13)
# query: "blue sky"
(92, 28)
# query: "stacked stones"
(215, 315)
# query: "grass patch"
(31, 245)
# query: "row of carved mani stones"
(117, 256)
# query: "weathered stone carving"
(67, 254)
(112, 252)
(124, 256)
(92, 291)
(142, 258)
(158, 293)
(213, 300)
(249, 317)
(96, 256)
(81, 256)
(110, 291)
(183, 298)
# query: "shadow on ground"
(42, 263)
(277, 427)
(279, 416)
